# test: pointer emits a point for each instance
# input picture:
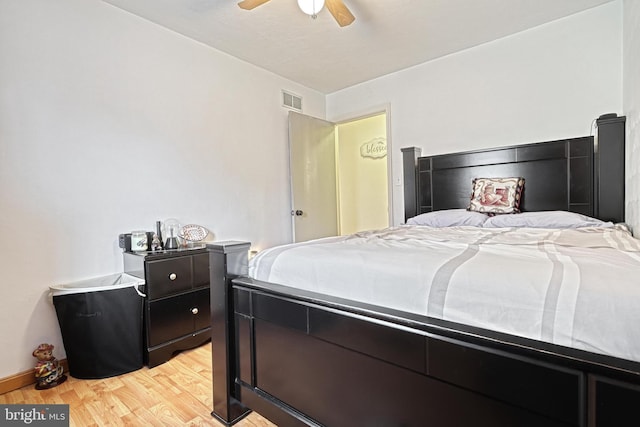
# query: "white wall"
(631, 100)
(109, 123)
(546, 83)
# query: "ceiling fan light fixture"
(311, 7)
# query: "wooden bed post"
(227, 260)
(609, 169)
(409, 162)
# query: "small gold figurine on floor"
(49, 372)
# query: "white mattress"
(575, 287)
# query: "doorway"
(361, 147)
(339, 175)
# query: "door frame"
(366, 113)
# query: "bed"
(452, 337)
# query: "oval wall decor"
(375, 148)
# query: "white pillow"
(449, 218)
(545, 219)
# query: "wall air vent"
(291, 101)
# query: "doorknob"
(297, 212)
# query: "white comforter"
(576, 287)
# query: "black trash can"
(101, 324)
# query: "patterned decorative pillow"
(496, 195)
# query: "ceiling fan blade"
(340, 12)
(250, 4)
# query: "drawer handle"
(194, 310)
(173, 276)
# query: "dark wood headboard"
(583, 175)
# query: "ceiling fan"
(337, 8)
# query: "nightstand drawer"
(169, 319)
(168, 276)
(175, 317)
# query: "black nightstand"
(177, 312)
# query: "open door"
(312, 149)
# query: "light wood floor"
(176, 393)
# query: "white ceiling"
(387, 35)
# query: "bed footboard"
(300, 358)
